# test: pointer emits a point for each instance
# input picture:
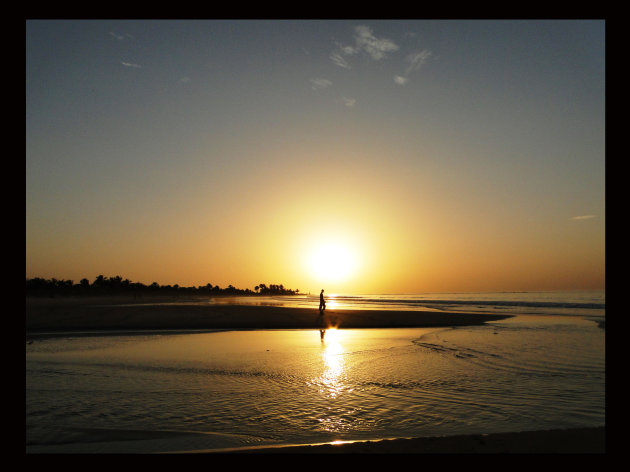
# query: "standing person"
(322, 302)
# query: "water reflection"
(331, 301)
(331, 380)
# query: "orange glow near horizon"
(341, 238)
(331, 260)
(330, 225)
(272, 164)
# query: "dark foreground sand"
(559, 441)
(76, 314)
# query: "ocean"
(571, 303)
(544, 368)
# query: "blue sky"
(166, 150)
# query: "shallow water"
(243, 388)
(583, 303)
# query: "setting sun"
(352, 175)
(303, 230)
(332, 262)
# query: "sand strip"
(90, 314)
(587, 440)
(563, 441)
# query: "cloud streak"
(364, 42)
(120, 37)
(375, 47)
(338, 60)
(129, 64)
(583, 217)
(320, 83)
(414, 62)
(417, 60)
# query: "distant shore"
(127, 313)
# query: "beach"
(558, 441)
(567, 441)
(127, 313)
(182, 324)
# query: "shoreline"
(578, 440)
(586, 440)
(127, 314)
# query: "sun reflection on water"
(331, 301)
(331, 380)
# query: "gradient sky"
(444, 155)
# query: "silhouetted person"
(322, 302)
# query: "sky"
(361, 156)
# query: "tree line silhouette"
(118, 286)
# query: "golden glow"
(331, 303)
(332, 262)
(339, 236)
(331, 379)
(316, 195)
(332, 258)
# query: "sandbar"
(86, 313)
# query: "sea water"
(544, 368)
(573, 303)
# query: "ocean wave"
(582, 303)
(478, 302)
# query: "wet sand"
(586, 440)
(77, 314)
(559, 441)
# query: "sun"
(332, 262)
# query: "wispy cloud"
(349, 102)
(338, 59)
(121, 37)
(129, 64)
(320, 83)
(348, 50)
(375, 47)
(414, 62)
(366, 42)
(583, 217)
(417, 60)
